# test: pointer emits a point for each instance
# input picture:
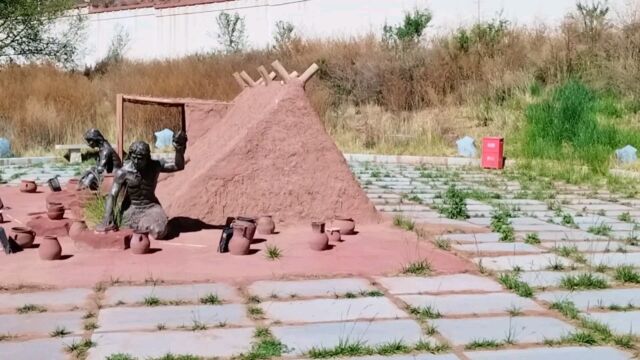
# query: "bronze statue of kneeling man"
(139, 176)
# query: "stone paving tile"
(208, 343)
(615, 226)
(526, 329)
(438, 284)
(524, 262)
(318, 310)
(408, 357)
(143, 318)
(624, 322)
(591, 246)
(189, 292)
(573, 235)
(309, 288)
(539, 228)
(556, 353)
(49, 349)
(514, 221)
(301, 338)
(54, 298)
(466, 304)
(614, 259)
(41, 323)
(551, 278)
(473, 238)
(502, 247)
(588, 299)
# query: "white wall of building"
(174, 32)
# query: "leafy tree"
(411, 29)
(232, 29)
(39, 30)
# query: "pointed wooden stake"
(281, 71)
(309, 73)
(239, 80)
(248, 79)
(265, 75)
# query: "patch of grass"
(59, 331)
(161, 327)
(512, 282)
(627, 274)
(404, 222)
(501, 224)
(454, 204)
(345, 348)
(253, 299)
(424, 312)
(273, 252)
(625, 217)
(483, 344)
(567, 220)
(177, 357)
(443, 244)
(426, 346)
(80, 348)
(29, 308)
(514, 311)
(583, 281)
(418, 267)
(152, 301)
(602, 229)
(555, 265)
(121, 356)
(5, 337)
(371, 293)
(532, 239)
(566, 308)
(210, 299)
(392, 348)
(255, 312)
(197, 325)
(627, 341)
(90, 325)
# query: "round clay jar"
(345, 224)
(250, 226)
(140, 243)
(23, 236)
(333, 234)
(239, 244)
(28, 186)
(50, 248)
(76, 228)
(55, 212)
(319, 240)
(265, 225)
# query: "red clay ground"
(377, 249)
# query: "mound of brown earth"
(269, 154)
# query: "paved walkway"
(567, 280)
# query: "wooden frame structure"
(143, 100)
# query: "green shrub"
(453, 204)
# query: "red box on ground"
(493, 153)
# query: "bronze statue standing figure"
(108, 160)
(139, 175)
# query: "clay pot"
(76, 228)
(333, 234)
(250, 225)
(265, 225)
(50, 248)
(28, 186)
(319, 241)
(55, 212)
(345, 224)
(23, 236)
(239, 244)
(140, 243)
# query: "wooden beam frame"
(143, 100)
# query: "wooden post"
(119, 126)
(239, 80)
(281, 71)
(265, 75)
(248, 79)
(309, 73)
